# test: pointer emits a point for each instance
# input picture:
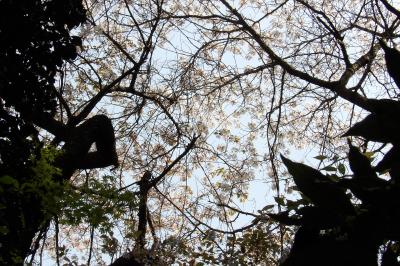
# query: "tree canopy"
(136, 132)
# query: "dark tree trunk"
(25, 214)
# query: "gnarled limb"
(98, 130)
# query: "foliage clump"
(335, 228)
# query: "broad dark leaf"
(392, 58)
(368, 190)
(390, 158)
(375, 127)
(321, 190)
(284, 218)
(360, 164)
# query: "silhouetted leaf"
(320, 157)
(342, 169)
(368, 190)
(360, 164)
(392, 58)
(267, 207)
(280, 201)
(375, 127)
(391, 157)
(329, 169)
(320, 189)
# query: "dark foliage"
(392, 58)
(389, 160)
(360, 164)
(333, 235)
(376, 127)
(35, 38)
(335, 231)
(319, 188)
(126, 261)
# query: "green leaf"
(292, 205)
(369, 154)
(3, 230)
(8, 180)
(342, 169)
(320, 157)
(267, 207)
(329, 169)
(333, 177)
(280, 201)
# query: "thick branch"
(47, 122)
(169, 167)
(391, 8)
(142, 213)
(338, 87)
(97, 129)
(96, 99)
